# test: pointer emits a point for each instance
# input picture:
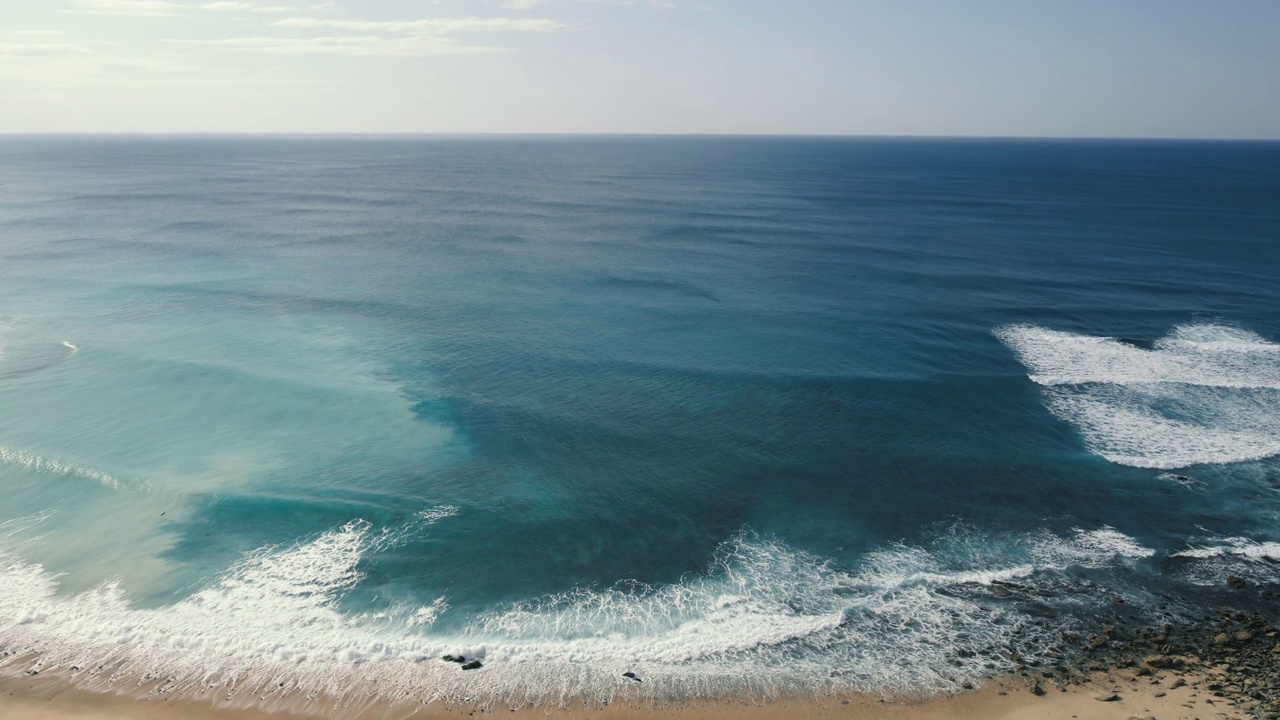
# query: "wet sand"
(1117, 695)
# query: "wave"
(1211, 562)
(1204, 394)
(1239, 546)
(57, 467)
(1208, 355)
(765, 618)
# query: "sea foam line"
(42, 464)
(765, 619)
(1238, 546)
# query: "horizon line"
(536, 134)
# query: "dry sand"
(1139, 697)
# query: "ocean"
(290, 417)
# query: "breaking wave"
(1238, 546)
(1203, 394)
(765, 618)
(1211, 562)
(57, 467)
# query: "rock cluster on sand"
(1232, 660)
(473, 665)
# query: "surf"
(764, 618)
(1203, 394)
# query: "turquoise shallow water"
(306, 414)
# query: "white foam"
(428, 614)
(1210, 355)
(1211, 562)
(42, 464)
(1238, 546)
(765, 618)
(1131, 428)
(1086, 548)
(1179, 479)
(1202, 394)
(435, 514)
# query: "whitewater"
(1201, 394)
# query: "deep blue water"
(761, 413)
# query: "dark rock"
(1037, 689)
(473, 665)
(631, 676)
(1163, 662)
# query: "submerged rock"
(473, 665)
(1235, 582)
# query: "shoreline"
(1117, 695)
(1223, 667)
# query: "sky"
(1113, 68)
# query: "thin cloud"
(366, 46)
(531, 4)
(432, 26)
(50, 65)
(41, 49)
(232, 6)
(127, 8)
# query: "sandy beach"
(1117, 695)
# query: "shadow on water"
(27, 358)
